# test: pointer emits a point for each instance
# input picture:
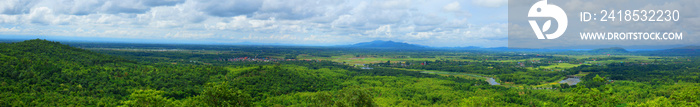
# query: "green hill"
(53, 52)
(44, 73)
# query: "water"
(492, 81)
(570, 81)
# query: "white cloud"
(381, 32)
(9, 19)
(14, 29)
(189, 35)
(490, 3)
(41, 15)
(452, 7)
(319, 22)
(228, 8)
(578, 5)
(420, 35)
(13, 7)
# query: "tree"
(347, 97)
(597, 78)
(658, 102)
(221, 94)
(596, 82)
(148, 98)
(356, 97)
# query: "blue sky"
(440, 23)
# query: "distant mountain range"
(380, 44)
(609, 50)
(682, 51)
(385, 44)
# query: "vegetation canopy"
(44, 73)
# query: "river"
(492, 81)
(570, 81)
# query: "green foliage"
(655, 73)
(35, 68)
(488, 68)
(585, 97)
(657, 102)
(478, 101)
(148, 98)
(221, 94)
(347, 97)
(597, 81)
(43, 73)
(273, 81)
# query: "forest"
(47, 73)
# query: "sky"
(438, 23)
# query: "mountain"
(609, 50)
(53, 52)
(385, 44)
(686, 48)
(680, 51)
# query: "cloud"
(300, 9)
(9, 29)
(310, 22)
(189, 35)
(452, 7)
(86, 7)
(161, 2)
(13, 7)
(228, 8)
(381, 32)
(490, 3)
(41, 15)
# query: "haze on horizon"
(438, 23)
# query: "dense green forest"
(45, 73)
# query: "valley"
(45, 73)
